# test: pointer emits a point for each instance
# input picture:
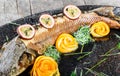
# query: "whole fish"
(18, 54)
(45, 37)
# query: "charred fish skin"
(11, 60)
(108, 11)
(117, 13)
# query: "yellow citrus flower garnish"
(66, 43)
(100, 29)
(45, 66)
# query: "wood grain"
(103, 2)
(74, 2)
(14, 9)
(10, 11)
(23, 7)
(44, 5)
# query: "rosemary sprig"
(111, 54)
(108, 52)
(81, 72)
(74, 73)
(7, 38)
(97, 64)
(14, 24)
(81, 57)
(96, 73)
(75, 53)
(82, 48)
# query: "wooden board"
(14, 9)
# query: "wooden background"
(14, 9)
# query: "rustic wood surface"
(14, 9)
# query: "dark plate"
(68, 63)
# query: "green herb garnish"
(96, 73)
(7, 38)
(82, 35)
(112, 49)
(74, 73)
(52, 52)
(14, 24)
(81, 57)
(97, 64)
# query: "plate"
(68, 63)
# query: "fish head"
(15, 58)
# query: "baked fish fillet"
(45, 37)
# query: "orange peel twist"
(99, 29)
(66, 43)
(45, 66)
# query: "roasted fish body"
(45, 37)
(108, 11)
(15, 58)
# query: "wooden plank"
(103, 2)
(23, 7)
(74, 2)
(10, 11)
(2, 12)
(44, 5)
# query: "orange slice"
(100, 29)
(45, 66)
(66, 43)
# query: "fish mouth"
(24, 62)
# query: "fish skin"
(15, 58)
(48, 36)
(108, 11)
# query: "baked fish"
(45, 37)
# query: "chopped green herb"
(52, 52)
(82, 35)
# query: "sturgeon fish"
(45, 37)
